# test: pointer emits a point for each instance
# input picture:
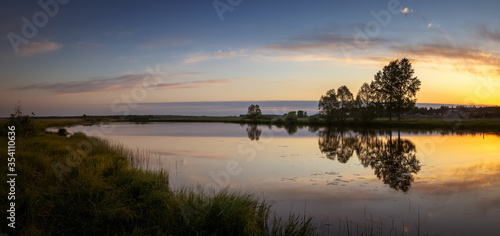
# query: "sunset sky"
(96, 57)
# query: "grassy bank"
(82, 185)
(446, 124)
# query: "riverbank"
(459, 125)
(82, 185)
(444, 124)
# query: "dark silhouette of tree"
(346, 99)
(336, 105)
(254, 112)
(365, 106)
(396, 87)
(328, 104)
(291, 118)
(253, 132)
(314, 120)
(300, 114)
(23, 123)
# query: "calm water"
(394, 182)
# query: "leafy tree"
(336, 105)
(365, 104)
(314, 120)
(396, 87)
(346, 99)
(328, 104)
(291, 118)
(300, 114)
(254, 112)
(23, 123)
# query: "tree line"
(392, 92)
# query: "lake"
(384, 182)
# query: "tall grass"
(103, 193)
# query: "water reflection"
(290, 129)
(393, 159)
(253, 132)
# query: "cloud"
(484, 32)
(192, 84)
(406, 11)
(88, 44)
(121, 83)
(325, 42)
(203, 56)
(451, 52)
(165, 42)
(472, 60)
(432, 25)
(300, 58)
(32, 48)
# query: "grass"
(99, 192)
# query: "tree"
(396, 87)
(328, 104)
(314, 120)
(365, 104)
(300, 113)
(23, 123)
(254, 112)
(336, 105)
(346, 99)
(291, 118)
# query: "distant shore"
(445, 124)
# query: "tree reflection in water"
(393, 159)
(253, 132)
(290, 129)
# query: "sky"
(60, 57)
